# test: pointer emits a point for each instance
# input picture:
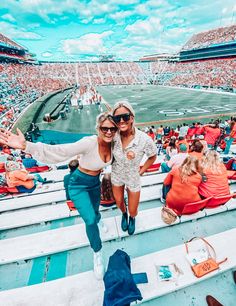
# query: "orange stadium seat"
(217, 201)
(231, 175)
(154, 167)
(195, 207)
(71, 205)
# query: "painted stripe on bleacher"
(73, 237)
(50, 242)
(62, 291)
(37, 271)
(57, 266)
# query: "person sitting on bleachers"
(216, 183)
(184, 182)
(171, 149)
(196, 149)
(203, 142)
(28, 161)
(175, 160)
(18, 177)
(73, 165)
(181, 140)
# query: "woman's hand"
(15, 141)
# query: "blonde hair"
(211, 161)
(189, 167)
(103, 117)
(123, 103)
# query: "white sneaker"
(102, 226)
(98, 266)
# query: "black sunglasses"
(125, 117)
(105, 129)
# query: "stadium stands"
(211, 37)
(214, 73)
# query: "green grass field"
(153, 105)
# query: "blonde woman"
(184, 181)
(84, 184)
(216, 183)
(130, 145)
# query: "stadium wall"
(209, 52)
(32, 112)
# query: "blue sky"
(81, 30)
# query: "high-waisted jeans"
(84, 191)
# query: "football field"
(153, 105)
(157, 103)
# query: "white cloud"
(47, 54)
(148, 27)
(99, 21)
(16, 32)
(33, 25)
(91, 43)
(121, 15)
(8, 17)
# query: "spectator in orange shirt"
(18, 177)
(212, 133)
(159, 132)
(181, 140)
(191, 131)
(184, 181)
(151, 134)
(216, 176)
(196, 149)
(198, 129)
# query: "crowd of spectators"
(218, 135)
(216, 73)
(21, 84)
(193, 162)
(212, 37)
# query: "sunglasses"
(105, 129)
(125, 117)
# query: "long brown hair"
(189, 167)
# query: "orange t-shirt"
(216, 184)
(211, 134)
(19, 178)
(198, 155)
(233, 131)
(181, 193)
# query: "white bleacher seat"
(58, 240)
(56, 175)
(32, 200)
(49, 242)
(36, 215)
(78, 289)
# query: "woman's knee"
(90, 220)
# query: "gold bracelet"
(24, 146)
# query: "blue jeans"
(84, 191)
(165, 168)
(228, 145)
(24, 189)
